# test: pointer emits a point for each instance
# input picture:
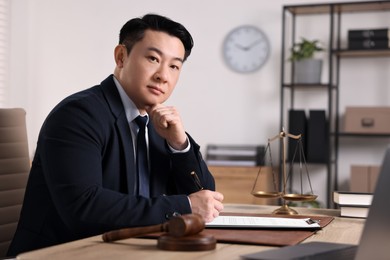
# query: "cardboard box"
(364, 178)
(367, 120)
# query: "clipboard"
(263, 222)
(268, 237)
(264, 236)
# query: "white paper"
(261, 222)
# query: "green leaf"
(304, 49)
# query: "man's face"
(150, 73)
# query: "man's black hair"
(134, 30)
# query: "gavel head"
(185, 225)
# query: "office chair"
(14, 169)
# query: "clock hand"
(240, 47)
(247, 48)
(253, 44)
(244, 48)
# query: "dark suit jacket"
(83, 182)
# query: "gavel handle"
(133, 232)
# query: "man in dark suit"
(84, 179)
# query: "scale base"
(285, 210)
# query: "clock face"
(246, 49)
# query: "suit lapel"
(116, 106)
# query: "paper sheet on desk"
(263, 236)
(262, 222)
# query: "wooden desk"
(341, 230)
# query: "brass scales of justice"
(285, 209)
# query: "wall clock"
(245, 49)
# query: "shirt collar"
(130, 108)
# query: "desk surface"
(341, 230)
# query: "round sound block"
(198, 242)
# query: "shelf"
(364, 135)
(362, 53)
(368, 6)
(307, 86)
(335, 12)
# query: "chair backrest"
(14, 170)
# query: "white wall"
(62, 46)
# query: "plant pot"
(308, 71)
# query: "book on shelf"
(235, 155)
(354, 211)
(352, 198)
(297, 124)
(368, 39)
(377, 33)
(368, 44)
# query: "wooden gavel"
(180, 226)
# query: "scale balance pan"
(299, 197)
(266, 194)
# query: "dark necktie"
(142, 158)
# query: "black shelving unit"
(334, 13)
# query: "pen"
(197, 181)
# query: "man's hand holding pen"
(205, 202)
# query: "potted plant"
(307, 70)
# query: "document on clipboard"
(250, 222)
